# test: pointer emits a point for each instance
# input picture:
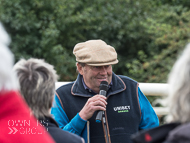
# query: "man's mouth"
(102, 79)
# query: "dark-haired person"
(127, 110)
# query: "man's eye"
(97, 67)
(100, 67)
(107, 66)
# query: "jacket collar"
(117, 86)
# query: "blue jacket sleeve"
(76, 125)
(149, 118)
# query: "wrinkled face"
(94, 75)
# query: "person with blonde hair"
(16, 122)
(178, 128)
(37, 85)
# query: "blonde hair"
(7, 77)
(179, 88)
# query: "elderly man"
(37, 81)
(126, 109)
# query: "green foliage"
(148, 35)
(35, 32)
(168, 30)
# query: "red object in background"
(16, 122)
(148, 138)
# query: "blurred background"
(148, 35)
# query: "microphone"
(103, 91)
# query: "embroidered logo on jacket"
(121, 109)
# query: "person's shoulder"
(126, 78)
(180, 134)
(60, 135)
(154, 135)
(72, 138)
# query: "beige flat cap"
(95, 53)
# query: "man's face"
(94, 75)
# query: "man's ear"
(79, 68)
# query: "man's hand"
(97, 102)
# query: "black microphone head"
(104, 85)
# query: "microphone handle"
(99, 114)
